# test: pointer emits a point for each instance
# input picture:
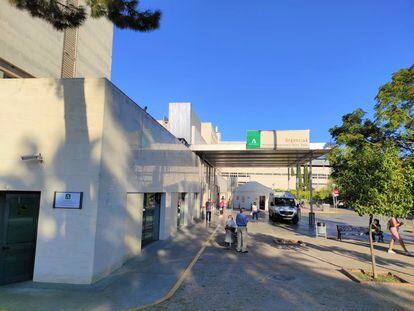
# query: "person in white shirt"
(255, 211)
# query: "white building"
(30, 47)
(280, 177)
(96, 143)
(244, 196)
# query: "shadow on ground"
(271, 278)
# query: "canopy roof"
(235, 154)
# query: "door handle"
(6, 247)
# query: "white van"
(283, 207)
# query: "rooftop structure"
(30, 47)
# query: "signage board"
(267, 139)
(263, 139)
(253, 140)
(71, 200)
(292, 139)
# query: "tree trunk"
(371, 246)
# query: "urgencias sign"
(264, 139)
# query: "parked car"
(341, 204)
(283, 207)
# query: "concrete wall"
(138, 156)
(208, 133)
(63, 120)
(94, 139)
(95, 49)
(179, 120)
(29, 43)
(183, 122)
(35, 47)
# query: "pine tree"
(63, 14)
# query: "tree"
(306, 177)
(292, 172)
(394, 110)
(300, 178)
(62, 14)
(373, 159)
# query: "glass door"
(151, 218)
(181, 210)
(262, 202)
(18, 228)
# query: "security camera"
(32, 157)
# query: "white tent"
(244, 195)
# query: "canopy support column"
(297, 183)
(288, 171)
(311, 213)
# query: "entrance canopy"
(237, 154)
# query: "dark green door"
(18, 227)
(151, 218)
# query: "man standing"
(208, 210)
(255, 211)
(241, 222)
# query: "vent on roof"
(70, 44)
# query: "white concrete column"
(187, 209)
(165, 211)
(197, 205)
(172, 223)
(133, 224)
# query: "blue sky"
(266, 64)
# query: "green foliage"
(300, 178)
(306, 177)
(292, 172)
(323, 196)
(373, 159)
(59, 15)
(376, 181)
(122, 13)
(394, 109)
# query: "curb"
(183, 276)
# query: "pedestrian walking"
(222, 204)
(255, 211)
(394, 225)
(209, 206)
(230, 229)
(241, 222)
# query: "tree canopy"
(63, 14)
(373, 158)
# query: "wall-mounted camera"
(32, 157)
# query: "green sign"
(253, 140)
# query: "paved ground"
(139, 282)
(291, 278)
(269, 277)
